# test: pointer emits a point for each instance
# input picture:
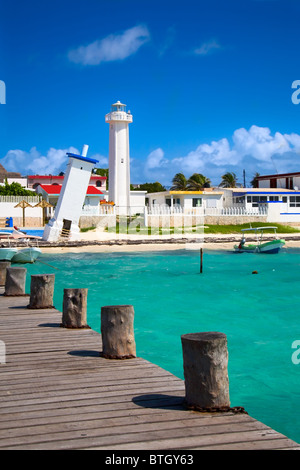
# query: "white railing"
(118, 116)
(164, 210)
(238, 211)
(17, 199)
(157, 209)
(98, 210)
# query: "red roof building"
(55, 189)
(33, 181)
(281, 181)
(51, 192)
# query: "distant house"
(186, 201)
(11, 176)
(35, 180)
(280, 204)
(280, 181)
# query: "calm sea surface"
(259, 313)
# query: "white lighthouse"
(119, 164)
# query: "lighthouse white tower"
(119, 165)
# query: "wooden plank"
(58, 393)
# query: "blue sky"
(209, 84)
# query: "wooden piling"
(75, 308)
(201, 260)
(41, 291)
(205, 361)
(3, 266)
(117, 332)
(15, 281)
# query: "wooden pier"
(57, 393)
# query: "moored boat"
(6, 252)
(261, 245)
(26, 255)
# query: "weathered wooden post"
(201, 260)
(41, 291)
(117, 332)
(205, 361)
(15, 281)
(75, 308)
(3, 266)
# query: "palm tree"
(179, 182)
(229, 180)
(198, 181)
(254, 182)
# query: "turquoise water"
(258, 313)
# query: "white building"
(280, 181)
(186, 201)
(279, 204)
(71, 199)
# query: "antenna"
(276, 170)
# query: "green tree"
(179, 183)
(229, 180)
(198, 181)
(254, 181)
(15, 189)
(150, 187)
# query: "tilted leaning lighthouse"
(119, 160)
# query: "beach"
(96, 241)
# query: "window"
(294, 201)
(175, 201)
(274, 198)
(197, 202)
(284, 199)
(255, 200)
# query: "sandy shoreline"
(135, 243)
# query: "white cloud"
(102, 161)
(208, 47)
(255, 150)
(259, 143)
(33, 162)
(155, 159)
(112, 47)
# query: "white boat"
(26, 255)
(261, 246)
(6, 252)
